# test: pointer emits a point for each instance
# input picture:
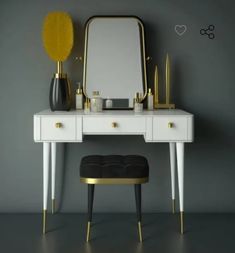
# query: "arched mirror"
(114, 59)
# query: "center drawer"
(107, 125)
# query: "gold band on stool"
(53, 206)
(173, 206)
(140, 231)
(87, 180)
(181, 222)
(88, 231)
(44, 221)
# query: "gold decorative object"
(57, 38)
(156, 88)
(113, 180)
(88, 231)
(170, 125)
(58, 125)
(114, 124)
(167, 104)
(140, 231)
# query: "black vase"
(60, 94)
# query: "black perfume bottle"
(60, 91)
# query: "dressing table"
(171, 126)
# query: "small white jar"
(108, 103)
(138, 107)
(96, 102)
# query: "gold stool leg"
(173, 206)
(181, 222)
(53, 206)
(44, 221)
(140, 232)
(88, 231)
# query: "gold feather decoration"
(58, 35)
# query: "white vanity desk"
(172, 126)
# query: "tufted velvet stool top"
(114, 169)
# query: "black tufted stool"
(114, 169)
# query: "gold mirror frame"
(142, 33)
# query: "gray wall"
(202, 80)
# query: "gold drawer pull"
(170, 125)
(114, 124)
(58, 125)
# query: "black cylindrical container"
(60, 94)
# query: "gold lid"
(150, 92)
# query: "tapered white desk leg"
(180, 165)
(172, 163)
(53, 175)
(46, 167)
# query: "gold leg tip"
(88, 231)
(140, 232)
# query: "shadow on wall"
(209, 129)
(75, 63)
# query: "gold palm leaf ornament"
(58, 38)
(167, 104)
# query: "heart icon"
(180, 29)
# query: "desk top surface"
(159, 112)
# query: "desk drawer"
(58, 128)
(170, 128)
(113, 125)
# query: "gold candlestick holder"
(167, 104)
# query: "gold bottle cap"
(150, 92)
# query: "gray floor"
(117, 233)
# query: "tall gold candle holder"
(167, 104)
